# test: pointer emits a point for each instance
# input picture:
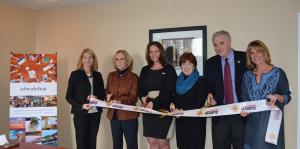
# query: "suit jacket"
(124, 89)
(213, 72)
(79, 88)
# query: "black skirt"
(157, 127)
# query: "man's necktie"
(228, 94)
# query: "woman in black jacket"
(191, 93)
(156, 88)
(83, 83)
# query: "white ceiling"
(51, 4)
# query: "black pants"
(127, 127)
(86, 129)
(228, 131)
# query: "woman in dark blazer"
(83, 83)
(156, 88)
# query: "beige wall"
(124, 24)
(17, 34)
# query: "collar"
(230, 56)
(122, 72)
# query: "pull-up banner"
(33, 98)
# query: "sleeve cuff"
(285, 100)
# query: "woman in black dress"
(84, 82)
(191, 93)
(156, 88)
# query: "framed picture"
(176, 41)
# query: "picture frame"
(178, 40)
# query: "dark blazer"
(213, 72)
(79, 88)
(167, 87)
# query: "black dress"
(191, 132)
(164, 81)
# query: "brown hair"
(258, 46)
(187, 56)
(162, 54)
(128, 58)
(91, 52)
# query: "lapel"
(237, 65)
(86, 79)
(95, 81)
(220, 74)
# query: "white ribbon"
(229, 109)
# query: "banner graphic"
(33, 98)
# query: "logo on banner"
(212, 112)
(117, 106)
(249, 108)
(235, 108)
(135, 108)
(108, 104)
(272, 137)
(177, 113)
(200, 112)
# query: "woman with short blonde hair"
(121, 87)
(127, 57)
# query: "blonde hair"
(258, 46)
(91, 52)
(128, 58)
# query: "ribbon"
(229, 109)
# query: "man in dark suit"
(225, 71)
